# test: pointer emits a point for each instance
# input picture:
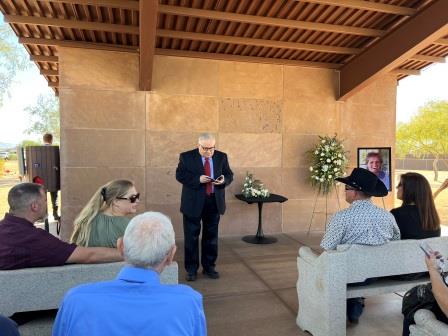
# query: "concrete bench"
(43, 288)
(322, 285)
(426, 324)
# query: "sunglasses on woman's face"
(132, 198)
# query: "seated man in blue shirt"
(8, 327)
(135, 303)
(362, 223)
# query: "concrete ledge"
(427, 324)
(43, 288)
(322, 284)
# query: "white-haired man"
(135, 303)
(204, 173)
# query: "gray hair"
(148, 239)
(22, 195)
(205, 136)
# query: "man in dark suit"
(204, 174)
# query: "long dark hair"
(416, 190)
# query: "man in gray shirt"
(362, 223)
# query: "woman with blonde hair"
(103, 220)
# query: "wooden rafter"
(393, 49)
(255, 42)
(250, 59)
(76, 44)
(367, 5)
(267, 21)
(63, 23)
(428, 58)
(148, 26)
(121, 4)
(43, 58)
(407, 72)
(53, 84)
(442, 41)
(49, 72)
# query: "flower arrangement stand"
(326, 208)
(260, 238)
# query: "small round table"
(260, 238)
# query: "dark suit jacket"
(189, 170)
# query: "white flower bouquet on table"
(253, 188)
(328, 161)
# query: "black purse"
(418, 297)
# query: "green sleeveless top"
(106, 230)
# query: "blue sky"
(412, 92)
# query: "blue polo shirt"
(135, 303)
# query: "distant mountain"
(6, 145)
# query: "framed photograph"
(378, 161)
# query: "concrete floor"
(256, 294)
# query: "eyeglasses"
(349, 188)
(132, 198)
(207, 149)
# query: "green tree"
(26, 143)
(13, 58)
(44, 116)
(426, 133)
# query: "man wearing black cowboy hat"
(362, 223)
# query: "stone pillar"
(102, 125)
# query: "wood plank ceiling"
(335, 34)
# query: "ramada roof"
(361, 39)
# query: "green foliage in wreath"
(328, 161)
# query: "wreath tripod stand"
(316, 197)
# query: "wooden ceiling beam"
(49, 72)
(442, 41)
(53, 84)
(267, 21)
(395, 48)
(367, 5)
(255, 42)
(75, 44)
(120, 4)
(148, 27)
(63, 23)
(428, 58)
(407, 72)
(43, 58)
(249, 59)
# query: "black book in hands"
(219, 179)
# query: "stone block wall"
(265, 117)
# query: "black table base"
(259, 240)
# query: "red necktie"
(208, 186)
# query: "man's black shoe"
(211, 273)
(191, 277)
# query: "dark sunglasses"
(349, 188)
(131, 199)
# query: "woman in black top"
(417, 217)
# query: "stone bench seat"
(43, 288)
(322, 284)
(426, 324)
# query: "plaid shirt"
(362, 223)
